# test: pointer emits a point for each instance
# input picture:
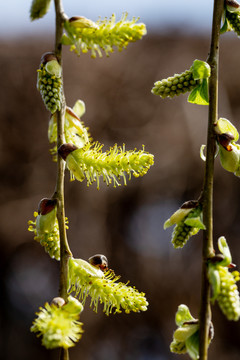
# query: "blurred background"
(125, 223)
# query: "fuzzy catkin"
(105, 35)
(175, 85)
(91, 163)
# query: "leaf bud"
(65, 149)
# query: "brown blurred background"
(126, 223)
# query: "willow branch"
(207, 195)
(65, 252)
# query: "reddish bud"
(46, 205)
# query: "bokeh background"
(126, 223)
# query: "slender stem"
(207, 195)
(65, 252)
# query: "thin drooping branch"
(207, 195)
(65, 252)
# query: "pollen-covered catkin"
(175, 85)
(234, 21)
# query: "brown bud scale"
(48, 56)
(65, 149)
(191, 204)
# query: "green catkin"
(105, 35)
(175, 85)
(228, 297)
(39, 8)
(183, 232)
(50, 87)
(234, 21)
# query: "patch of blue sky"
(158, 15)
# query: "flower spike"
(58, 323)
(223, 282)
(49, 82)
(91, 163)
(102, 286)
(187, 221)
(46, 228)
(84, 35)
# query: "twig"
(207, 195)
(65, 252)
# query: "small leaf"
(66, 40)
(199, 95)
(195, 222)
(54, 68)
(215, 281)
(185, 331)
(79, 108)
(223, 247)
(183, 314)
(202, 156)
(224, 126)
(176, 217)
(201, 70)
(192, 345)
(224, 27)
